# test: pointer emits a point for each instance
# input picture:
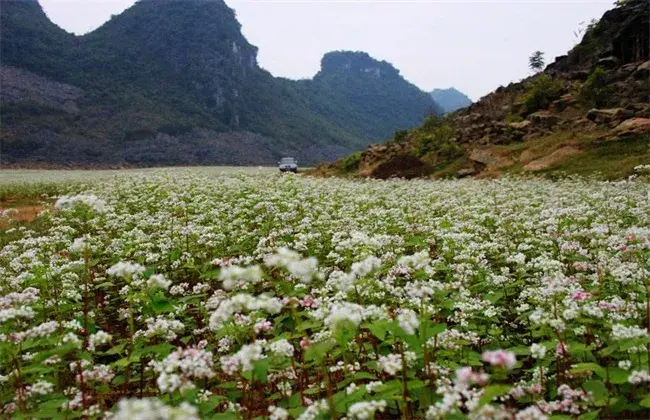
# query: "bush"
(595, 90)
(351, 163)
(400, 135)
(541, 92)
(432, 123)
(440, 142)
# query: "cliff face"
(165, 74)
(587, 112)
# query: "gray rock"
(543, 119)
(643, 71)
(610, 62)
(607, 116)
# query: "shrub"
(595, 90)
(400, 135)
(440, 142)
(432, 123)
(351, 162)
(541, 92)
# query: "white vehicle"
(288, 164)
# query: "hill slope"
(587, 112)
(170, 82)
(450, 99)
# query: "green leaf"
(260, 369)
(618, 376)
(435, 329)
(608, 350)
(589, 367)
(364, 375)
(118, 349)
(598, 389)
(162, 349)
(590, 415)
(520, 350)
(492, 392)
(317, 352)
(126, 361)
(645, 402)
(378, 329)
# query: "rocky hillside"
(169, 82)
(450, 99)
(587, 112)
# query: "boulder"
(632, 126)
(466, 172)
(521, 126)
(641, 110)
(610, 62)
(643, 71)
(491, 158)
(555, 158)
(581, 75)
(607, 116)
(543, 119)
(563, 103)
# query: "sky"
(475, 46)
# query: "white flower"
(125, 269)
(366, 410)
(344, 312)
(99, 338)
(372, 386)
(408, 321)
(278, 413)
(281, 348)
(537, 351)
(351, 388)
(158, 281)
(639, 377)
(243, 359)
(622, 332)
(153, 408)
(625, 364)
(391, 364)
(92, 201)
(232, 274)
(179, 368)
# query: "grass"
(611, 159)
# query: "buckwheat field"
(182, 295)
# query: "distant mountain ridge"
(450, 99)
(170, 82)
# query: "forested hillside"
(170, 82)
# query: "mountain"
(587, 113)
(450, 99)
(170, 82)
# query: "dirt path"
(18, 213)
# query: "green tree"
(536, 61)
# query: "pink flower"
(465, 376)
(262, 325)
(500, 358)
(561, 349)
(607, 305)
(581, 295)
(305, 343)
(308, 302)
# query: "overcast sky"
(475, 46)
